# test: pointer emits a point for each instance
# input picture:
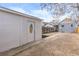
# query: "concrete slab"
(60, 44)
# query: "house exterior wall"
(13, 30)
(67, 27)
(38, 31)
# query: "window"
(71, 25)
(31, 28)
(62, 25)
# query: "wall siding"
(13, 31)
(67, 27)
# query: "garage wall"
(13, 31)
(38, 30)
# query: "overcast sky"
(29, 8)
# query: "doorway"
(31, 31)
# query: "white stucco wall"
(38, 30)
(67, 27)
(13, 30)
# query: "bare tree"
(55, 9)
(59, 9)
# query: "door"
(30, 31)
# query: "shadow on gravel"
(44, 36)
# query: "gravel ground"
(60, 44)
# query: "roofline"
(63, 20)
(18, 13)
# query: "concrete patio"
(59, 44)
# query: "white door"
(30, 31)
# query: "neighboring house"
(67, 25)
(17, 29)
(47, 27)
(69, 22)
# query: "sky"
(33, 9)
